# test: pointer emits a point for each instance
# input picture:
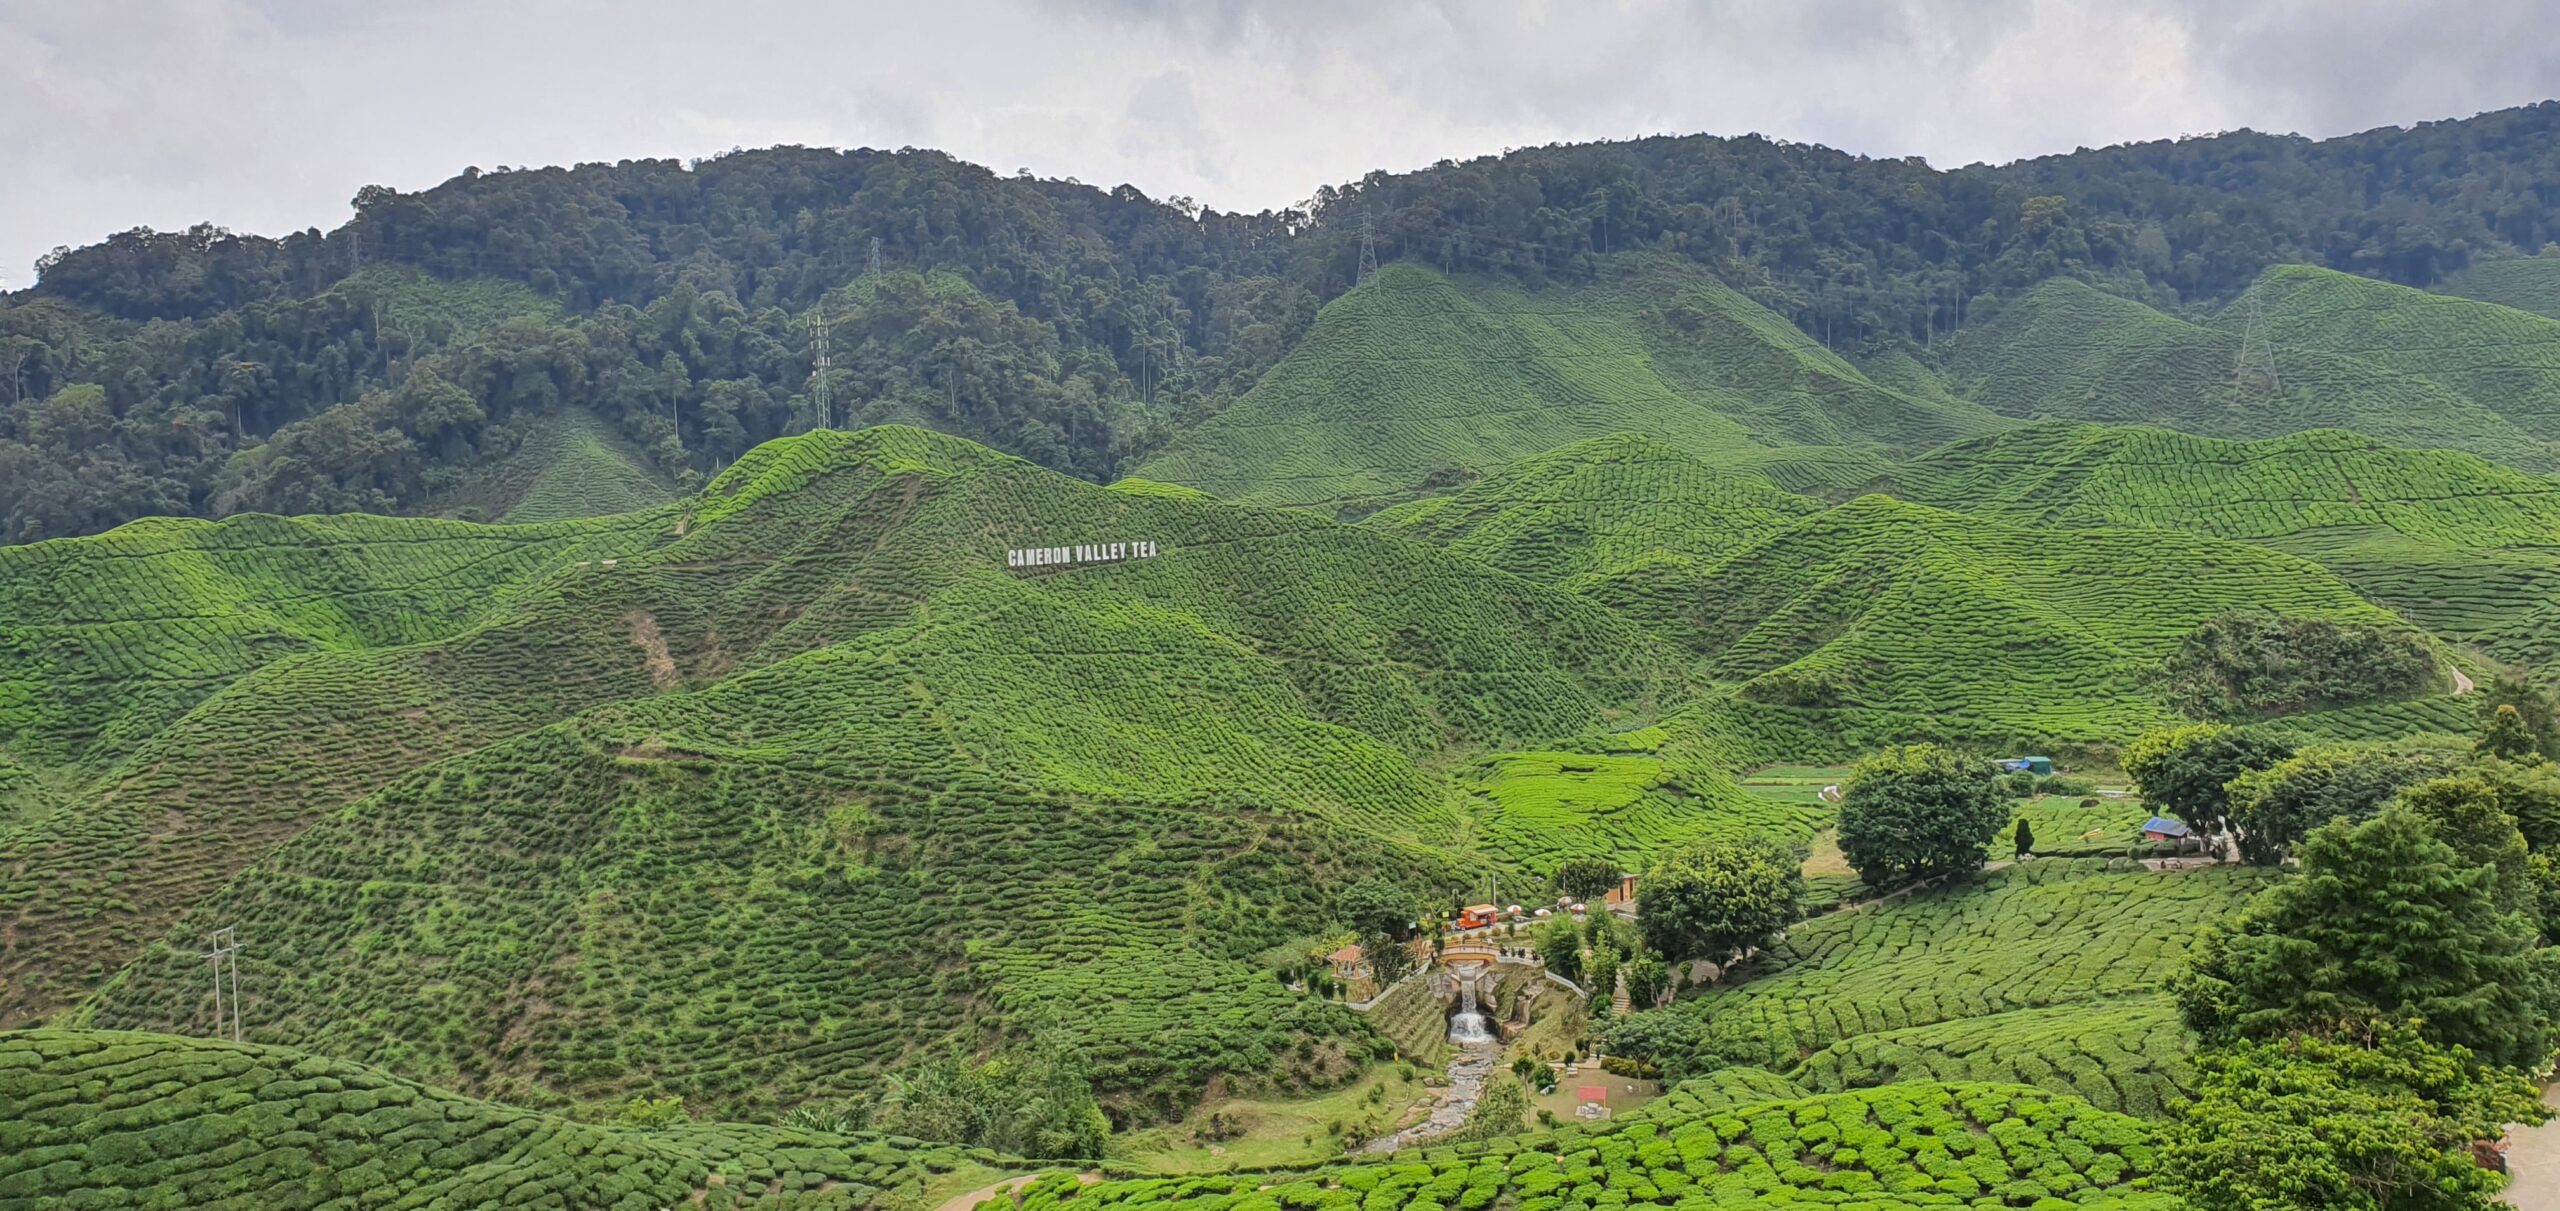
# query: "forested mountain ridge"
(373, 366)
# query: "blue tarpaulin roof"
(2164, 826)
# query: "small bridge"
(1469, 950)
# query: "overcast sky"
(267, 115)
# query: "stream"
(1478, 1051)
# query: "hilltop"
(2069, 351)
(1589, 508)
(2464, 547)
(1417, 381)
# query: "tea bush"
(2047, 933)
(1909, 1145)
(111, 1120)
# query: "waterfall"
(1468, 1025)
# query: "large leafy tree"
(2381, 1120)
(2275, 807)
(1586, 878)
(2466, 814)
(2534, 716)
(2183, 770)
(1375, 906)
(1716, 900)
(2387, 920)
(1918, 810)
(1559, 945)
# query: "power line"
(226, 946)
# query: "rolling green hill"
(2524, 283)
(567, 466)
(2071, 352)
(1594, 506)
(1417, 382)
(2465, 548)
(2498, 357)
(1923, 620)
(108, 1119)
(825, 750)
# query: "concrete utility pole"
(226, 947)
(824, 363)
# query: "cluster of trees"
(1035, 1101)
(2366, 1021)
(2265, 794)
(1074, 325)
(2251, 665)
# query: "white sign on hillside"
(1088, 552)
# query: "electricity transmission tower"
(1368, 250)
(2257, 361)
(871, 263)
(226, 950)
(818, 371)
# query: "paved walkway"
(2533, 1162)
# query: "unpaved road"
(2533, 1162)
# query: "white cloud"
(267, 115)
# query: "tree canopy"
(1716, 900)
(2184, 770)
(2380, 1120)
(1913, 811)
(1073, 325)
(2385, 920)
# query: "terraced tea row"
(2054, 932)
(111, 1120)
(2131, 1056)
(1911, 1145)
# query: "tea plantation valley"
(1863, 687)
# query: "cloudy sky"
(266, 115)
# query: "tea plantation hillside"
(1416, 381)
(2130, 1054)
(113, 1120)
(571, 465)
(1920, 621)
(2465, 548)
(866, 793)
(2069, 351)
(2524, 283)
(1912, 1145)
(2503, 359)
(2059, 959)
(1596, 506)
(111, 638)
